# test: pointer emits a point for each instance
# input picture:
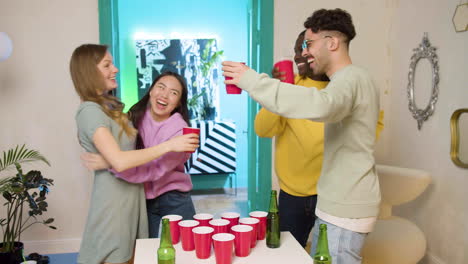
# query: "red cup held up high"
(286, 66)
(231, 88)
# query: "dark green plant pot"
(14, 257)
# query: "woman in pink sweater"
(159, 116)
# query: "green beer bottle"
(166, 251)
(322, 255)
(273, 223)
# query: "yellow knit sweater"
(299, 147)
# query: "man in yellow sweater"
(298, 156)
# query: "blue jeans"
(172, 202)
(344, 245)
(297, 215)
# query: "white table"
(290, 252)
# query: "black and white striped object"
(217, 151)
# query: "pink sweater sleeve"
(167, 163)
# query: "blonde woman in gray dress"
(117, 213)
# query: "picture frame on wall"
(194, 59)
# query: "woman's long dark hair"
(138, 110)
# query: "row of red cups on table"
(228, 233)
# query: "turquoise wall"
(227, 21)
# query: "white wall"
(387, 32)
(441, 212)
(38, 104)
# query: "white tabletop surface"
(290, 252)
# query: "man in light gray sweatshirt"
(348, 188)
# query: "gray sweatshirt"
(348, 186)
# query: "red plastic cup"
(232, 217)
(186, 234)
(202, 238)
(190, 130)
(203, 219)
(231, 88)
(219, 225)
(223, 244)
(174, 224)
(242, 239)
(286, 66)
(253, 222)
(262, 216)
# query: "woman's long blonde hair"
(90, 85)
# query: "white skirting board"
(45, 247)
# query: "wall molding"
(52, 246)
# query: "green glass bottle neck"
(322, 244)
(273, 204)
(166, 240)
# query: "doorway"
(250, 22)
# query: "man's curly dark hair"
(333, 20)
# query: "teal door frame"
(109, 31)
(260, 59)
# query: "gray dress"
(117, 213)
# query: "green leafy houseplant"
(20, 190)
(201, 104)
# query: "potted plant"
(21, 190)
